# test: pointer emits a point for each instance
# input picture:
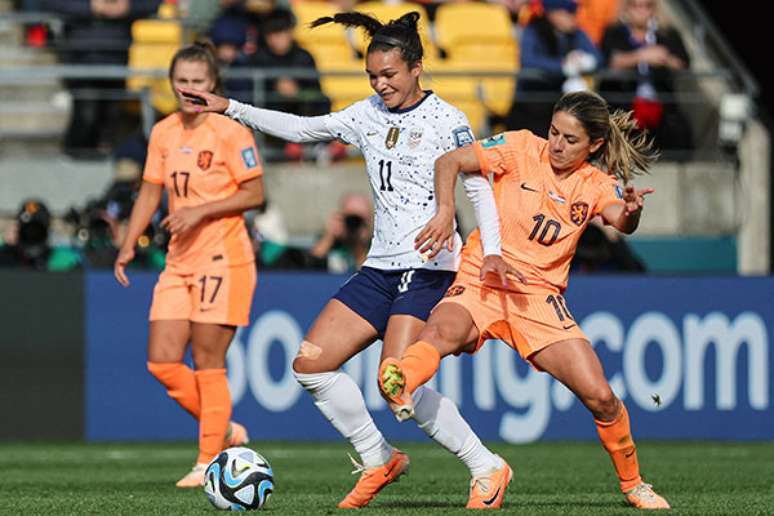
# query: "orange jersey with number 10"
(199, 166)
(541, 217)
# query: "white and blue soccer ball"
(239, 479)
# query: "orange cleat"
(643, 497)
(488, 492)
(236, 435)
(392, 383)
(373, 480)
(194, 478)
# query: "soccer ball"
(238, 479)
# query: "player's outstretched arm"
(293, 128)
(625, 218)
(147, 202)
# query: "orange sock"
(180, 382)
(616, 437)
(419, 364)
(216, 412)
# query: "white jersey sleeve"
(294, 128)
(477, 187)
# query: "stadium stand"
(154, 42)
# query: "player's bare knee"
(306, 361)
(432, 333)
(440, 337)
(603, 403)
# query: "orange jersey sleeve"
(154, 163)
(499, 154)
(242, 159)
(610, 192)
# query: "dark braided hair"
(402, 33)
(204, 51)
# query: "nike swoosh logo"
(492, 500)
(568, 327)
(527, 188)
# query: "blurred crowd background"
(84, 80)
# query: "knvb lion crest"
(204, 159)
(578, 212)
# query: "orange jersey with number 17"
(541, 217)
(199, 166)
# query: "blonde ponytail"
(628, 150)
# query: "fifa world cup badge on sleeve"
(492, 141)
(463, 136)
(248, 156)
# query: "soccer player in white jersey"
(401, 131)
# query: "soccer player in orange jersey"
(211, 171)
(546, 192)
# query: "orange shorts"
(526, 321)
(216, 296)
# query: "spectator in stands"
(229, 35)
(555, 53)
(344, 245)
(291, 94)
(594, 16)
(298, 95)
(518, 9)
(26, 243)
(644, 45)
(97, 32)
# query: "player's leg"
(209, 343)
(167, 342)
(220, 300)
(168, 338)
(434, 413)
(419, 292)
(338, 334)
(448, 330)
(574, 363)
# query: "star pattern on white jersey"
(400, 148)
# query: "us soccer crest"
(415, 138)
(204, 159)
(392, 137)
(578, 212)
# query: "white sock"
(439, 418)
(339, 399)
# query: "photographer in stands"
(344, 245)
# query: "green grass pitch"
(550, 478)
